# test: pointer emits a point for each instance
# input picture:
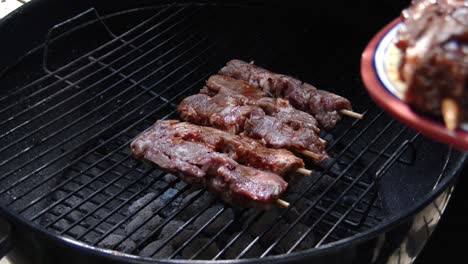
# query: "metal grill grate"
(65, 164)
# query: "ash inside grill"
(158, 213)
(110, 200)
(64, 155)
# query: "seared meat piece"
(323, 105)
(199, 163)
(250, 95)
(277, 135)
(225, 113)
(434, 43)
(232, 86)
(242, 149)
(269, 130)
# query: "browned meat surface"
(242, 149)
(277, 135)
(434, 43)
(231, 86)
(250, 95)
(199, 163)
(269, 130)
(225, 113)
(324, 106)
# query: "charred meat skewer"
(199, 163)
(229, 113)
(324, 106)
(276, 107)
(242, 149)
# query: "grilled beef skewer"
(323, 105)
(200, 164)
(242, 149)
(277, 107)
(231, 114)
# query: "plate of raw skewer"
(245, 135)
(422, 104)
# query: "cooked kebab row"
(326, 107)
(238, 145)
(239, 108)
(277, 107)
(173, 147)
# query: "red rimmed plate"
(379, 64)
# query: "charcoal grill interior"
(71, 106)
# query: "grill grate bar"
(118, 134)
(237, 236)
(100, 181)
(362, 173)
(45, 56)
(365, 213)
(94, 190)
(139, 170)
(128, 217)
(310, 207)
(73, 62)
(340, 138)
(362, 185)
(201, 229)
(116, 173)
(92, 125)
(95, 110)
(292, 203)
(401, 159)
(175, 97)
(384, 168)
(111, 69)
(91, 212)
(255, 218)
(82, 91)
(181, 228)
(320, 176)
(98, 191)
(209, 242)
(442, 173)
(179, 193)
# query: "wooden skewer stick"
(282, 203)
(311, 154)
(303, 171)
(451, 113)
(351, 113)
(323, 141)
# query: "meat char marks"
(171, 146)
(434, 42)
(323, 105)
(233, 111)
(225, 113)
(240, 131)
(277, 107)
(242, 149)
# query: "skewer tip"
(351, 114)
(304, 171)
(323, 141)
(282, 203)
(311, 154)
(450, 113)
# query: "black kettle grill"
(88, 76)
